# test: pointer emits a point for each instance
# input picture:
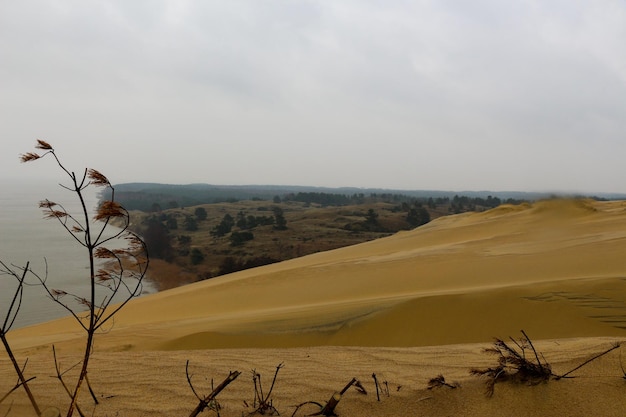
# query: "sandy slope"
(556, 269)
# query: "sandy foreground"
(407, 308)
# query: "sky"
(411, 95)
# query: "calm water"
(25, 236)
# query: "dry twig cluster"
(514, 365)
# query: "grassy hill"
(200, 231)
(181, 256)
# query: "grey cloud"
(335, 84)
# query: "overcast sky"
(452, 95)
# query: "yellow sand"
(408, 307)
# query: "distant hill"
(149, 196)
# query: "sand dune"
(555, 268)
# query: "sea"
(51, 252)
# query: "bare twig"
(329, 408)
(205, 402)
(527, 339)
(189, 381)
(265, 404)
(11, 314)
(93, 394)
(59, 376)
(16, 386)
(376, 384)
(348, 385)
(565, 375)
(305, 403)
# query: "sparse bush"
(191, 224)
(119, 272)
(224, 227)
(196, 256)
(514, 366)
(200, 213)
(239, 238)
(280, 223)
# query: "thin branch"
(56, 298)
(376, 384)
(206, 401)
(305, 403)
(189, 381)
(532, 347)
(278, 368)
(59, 376)
(93, 394)
(17, 296)
(19, 384)
(11, 315)
(615, 346)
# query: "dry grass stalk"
(263, 402)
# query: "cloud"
(360, 93)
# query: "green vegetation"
(239, 238)
(155, 197)
(214, 239)
(200, 213)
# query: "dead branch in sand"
(209, 401)
(565, 375)
(263, 402)
(377, 389)
(329, 409)
(514, 366)
(439, 381)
